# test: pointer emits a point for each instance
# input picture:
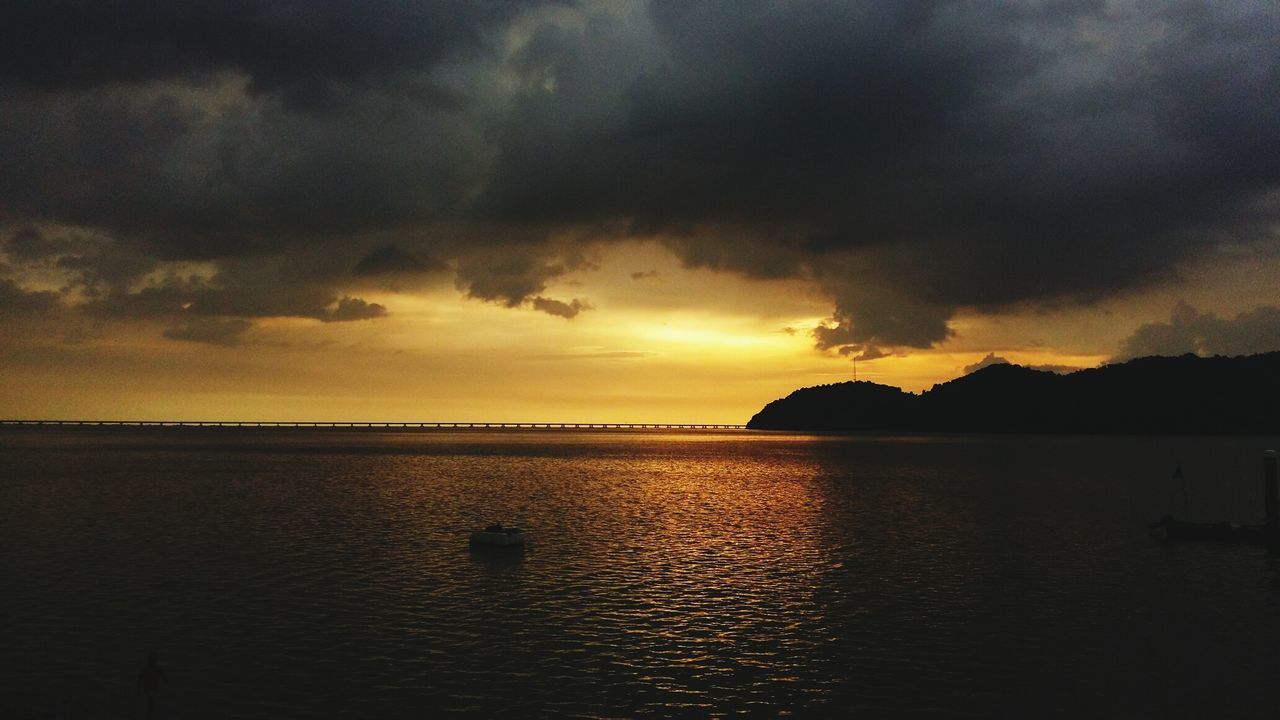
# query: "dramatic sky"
(672, 210)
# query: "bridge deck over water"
(363, 425)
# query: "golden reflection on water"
(666, 575)
(720, 561)
(687, 573)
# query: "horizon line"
(345, 424)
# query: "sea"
(315, 573)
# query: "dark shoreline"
(1185, 395)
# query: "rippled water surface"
(325, 573)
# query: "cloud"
(211, 331)
(391, 259)
(566, 310)
(912, 159)
(352, 308)
(230, 296)
(1190, 331)
(512, 275)
(993, 359)
(239, 299)
(303, 48)
(16, 300)
(645, 274)
(864, 352)
(29, 243)
(871, 318)
(989, 360)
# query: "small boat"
(1228, 532)
(497, 536)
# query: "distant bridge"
(376, 425)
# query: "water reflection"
(721, 580)
(666, 576)
(670, 579)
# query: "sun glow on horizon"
(655, 342)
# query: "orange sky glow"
(669, 345)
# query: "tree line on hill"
(1152, 395)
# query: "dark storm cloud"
(190, 179)
(863, 352)
(304, 46)
(106, 268)
(559, 308)
(917, 157)
(867, 315)
(317, 302)
(220, 128)
(392, 260)
(913, 158)
(16, 300)
(509, 275)
(231, 296)
(351, 308)
(1190, 331)
(747, 111)
(27, 244)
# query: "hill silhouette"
(1153, 395)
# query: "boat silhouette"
(497, 536)
(1268, 533)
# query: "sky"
(626, 211)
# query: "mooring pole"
(1269, 488)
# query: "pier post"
(1269, 488)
